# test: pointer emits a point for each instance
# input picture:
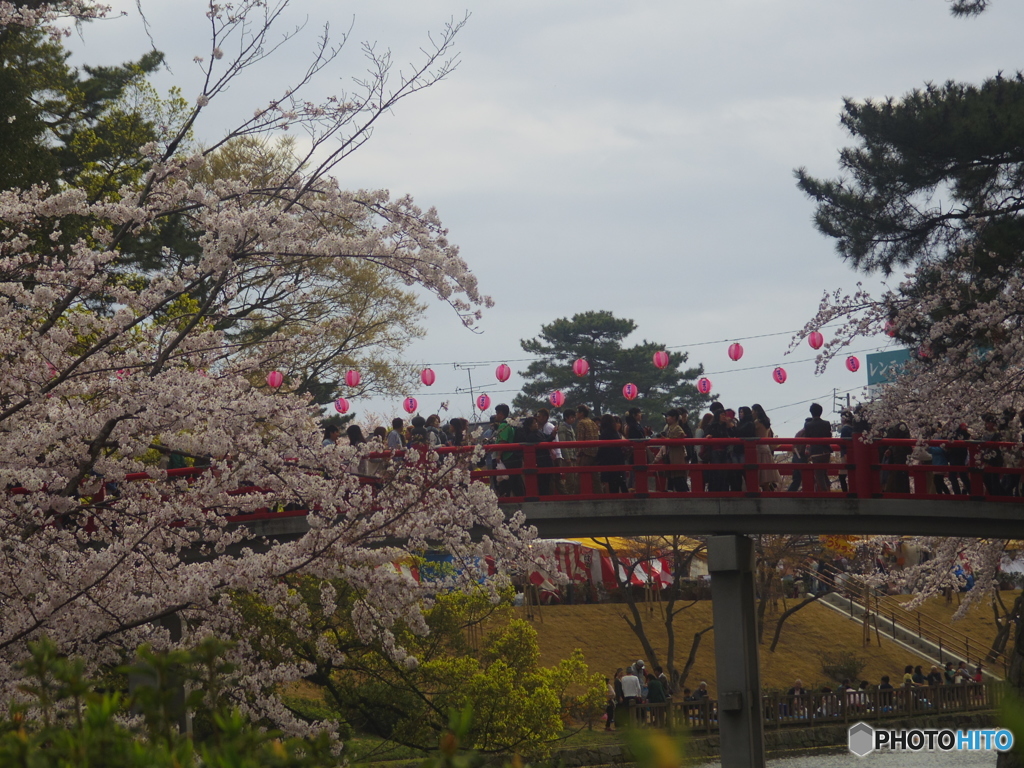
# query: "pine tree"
(598, 338)
(934, 185)
(62, 125)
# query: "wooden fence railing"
(821, 708)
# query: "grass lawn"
(978, 624)
(607, 643)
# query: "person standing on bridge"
(633, 429)
(992, 456)
(746, 429)
(506, 433)
(799, 457)
(331, 434)
(820, 453)
(567, 434)
(608, 455)
(674, 454)
(587, 429)
(550, 432)
(845, 433)
(718, 479)
(396, 437)
(768, 478)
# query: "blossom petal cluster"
(107, 366)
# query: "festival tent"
(569, 558)
(586, 560)
(435, 565)
(407, 569)
(654, 569)
(654, 555)
(1012, 565)
(580, 563)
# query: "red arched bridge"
(888, 491)
(727, 496)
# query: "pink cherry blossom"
(94, 558)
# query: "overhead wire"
(673, 346)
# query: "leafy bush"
(519, 705)
(842, 665)
(68, 722)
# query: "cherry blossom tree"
(930, 196)
(99, 363)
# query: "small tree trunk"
(785, 615)
(637, 624)
(1005, 624)
(693, 655)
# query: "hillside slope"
(607, 642)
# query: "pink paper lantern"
(341, 405)
(352, 378)
(629, 391)
(427, 376)
(924, 352)
(556, 398)
(779, 374)
(502, 372)
(852, 364)
(483, 402)
(275, 379)
(890, 328)
(735, 351)
(815, 339)
(581, 367)
(704, 385)
(661, 359)
(410, 405)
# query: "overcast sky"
(634, 157)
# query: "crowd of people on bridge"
(806, 470)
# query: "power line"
(675, 346)
(706, 373)
(788, 362)
(812, 399)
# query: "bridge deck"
(838, 515)
(724, 497)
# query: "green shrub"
(69, 723)
(842, 665)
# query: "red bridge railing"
(645, 475)
(868, 476)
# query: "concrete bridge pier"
(740, 720)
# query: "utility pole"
(837, 401)
(468, 368)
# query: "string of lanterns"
(580, 368)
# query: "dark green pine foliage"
(932, 177)
(968, 7)
(57, 122)
(598, 337)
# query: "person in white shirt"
(549, 430)
(631, 687)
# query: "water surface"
(886, 759)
